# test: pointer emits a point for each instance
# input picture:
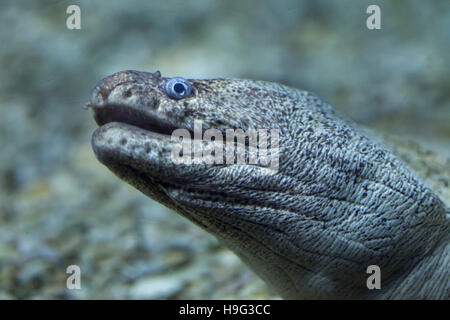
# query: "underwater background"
(59, 206)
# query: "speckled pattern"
(339, 202)
(60, 206)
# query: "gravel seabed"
(59, 206)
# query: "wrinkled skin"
(338, 203)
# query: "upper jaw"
(123, 98)
(107, 84)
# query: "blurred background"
(59, 206)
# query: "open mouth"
(131, 116)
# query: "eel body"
(337, 203)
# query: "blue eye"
(178, 88)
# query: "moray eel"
(338, 203)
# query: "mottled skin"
(339, 202)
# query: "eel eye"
(178, 88)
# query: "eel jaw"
(132, 116)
